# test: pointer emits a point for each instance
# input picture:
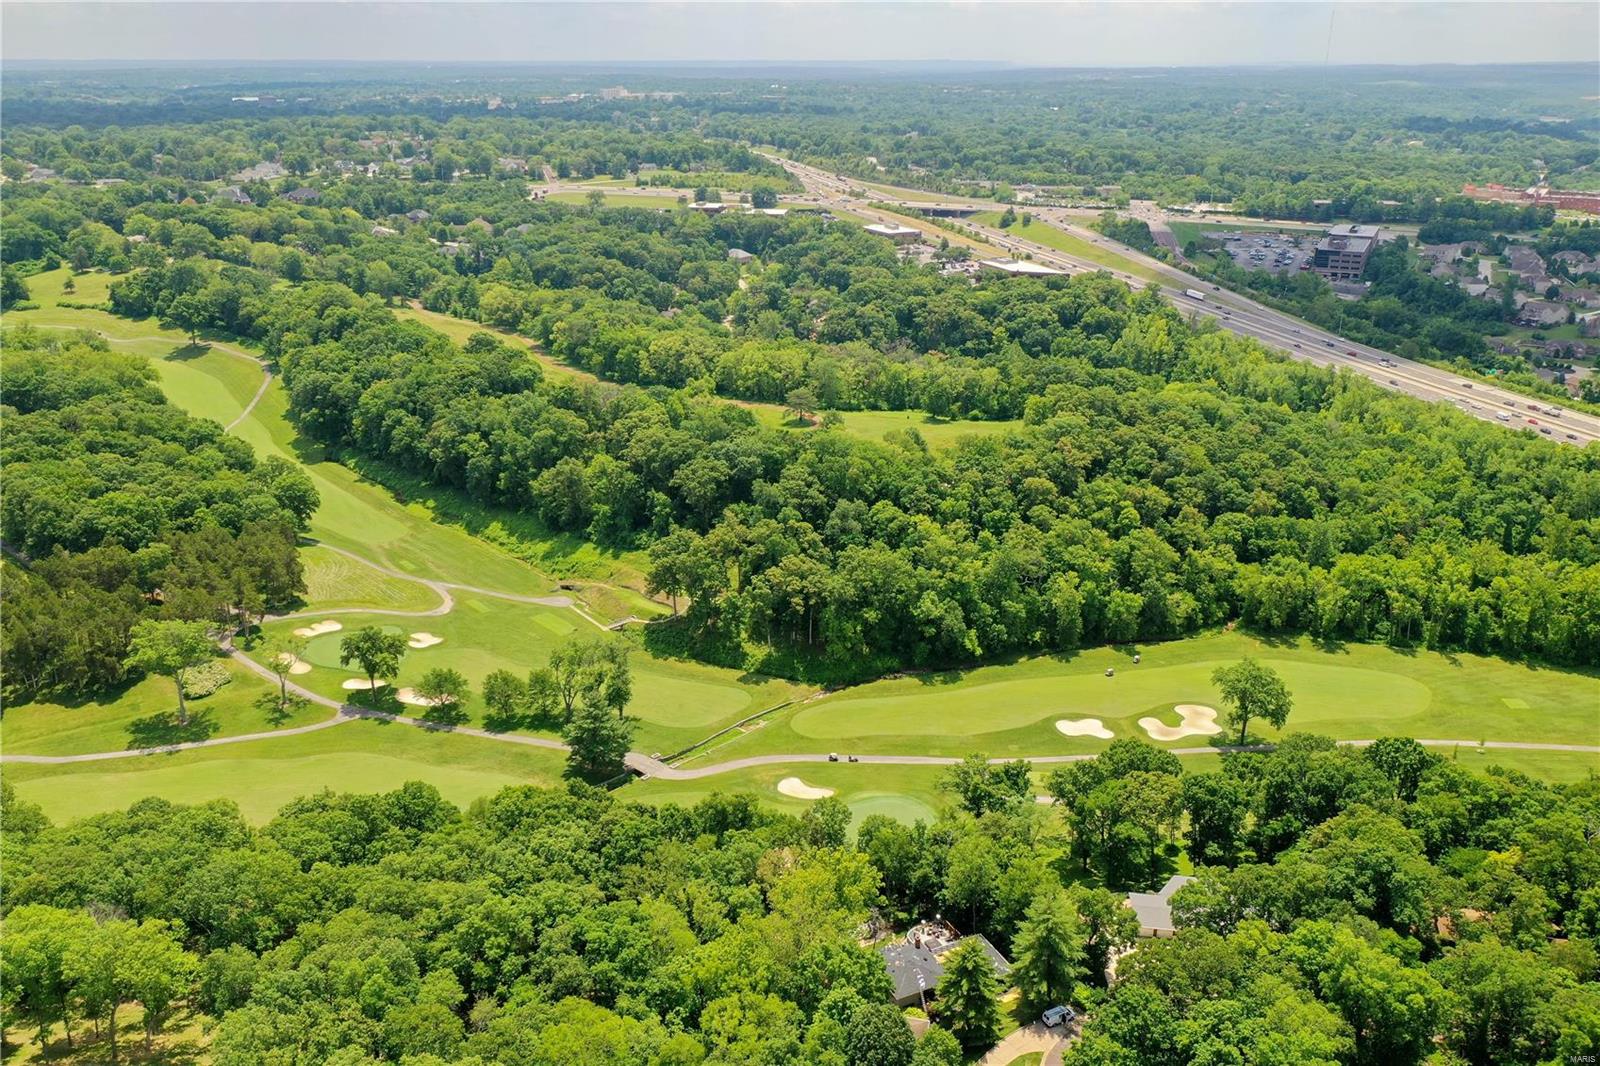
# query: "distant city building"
(1342, 254)
(1561, 199)
(1017, 266)
(895, 232)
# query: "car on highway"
(1297, 344)
(1545, 430)
(1502, 416)
(1572, 436)
(1393, 382)
(1465, 384)
(1533, 421)
(1327, 344)
(1350, 351)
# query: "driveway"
(1035, 1037)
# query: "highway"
(1242, 315)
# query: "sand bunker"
(798, 789)
(1198, 721)
(296, 665)
(423, 640)
(359, 684)
(316, 629)
(413, 697)
(1084, 727)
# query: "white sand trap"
(1198, 721)
(798, 789)
(413, 697)
(423, 640)
(1084, 727)
(296, 665)
(316, 629)
(358, 684)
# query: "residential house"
(1524, 260)
(384, 231)
(1542, 313)
(739, 255)
(418, 215)
(1155, 908)
(916, 964)
(303, 195)
(264, 171)
(231, 194)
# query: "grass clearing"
(358, 756)
(938, 432)
(616, 197)
(145, 715)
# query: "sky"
(1193, 33)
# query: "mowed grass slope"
(356, 756)
(1356, 691)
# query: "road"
(1246, 317)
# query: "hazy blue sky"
(1061, 34)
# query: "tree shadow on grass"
(444, 715)
(161, 730)
(278, 712)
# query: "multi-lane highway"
(1247, 317)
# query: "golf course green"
(410, 558)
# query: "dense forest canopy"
(1352, 908)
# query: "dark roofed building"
(916, 964)
(303, 195)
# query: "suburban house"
(739, 255)
(266, 171)
(232, 194)
(1542, 313)
(915, 964)
(302, 195)
(1155, 908)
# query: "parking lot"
(1272, 252)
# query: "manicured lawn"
(48, 288)
(359, 756)
(1355, 691)
(903, 792)
(334, 580)
(676, 702)
(144, 715)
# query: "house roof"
(1155, 908)
(906, 964)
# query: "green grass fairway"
(47, 288)
(1356, 691)
(1062, 241)
(676, 703)
(903, 792)
(359, 756)
(144, 715)
(334, 580)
